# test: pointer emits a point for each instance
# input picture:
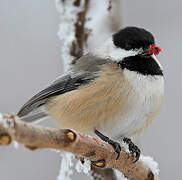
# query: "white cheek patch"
(109, 50)
(117, 54)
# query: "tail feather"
(34, 116)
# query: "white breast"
(142, 105)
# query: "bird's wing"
(62, 85)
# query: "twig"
(100, 153)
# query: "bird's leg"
(132, 148)
(115, 145)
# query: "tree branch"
(98, 152)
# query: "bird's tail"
(35, 116)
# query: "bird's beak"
(153, 49)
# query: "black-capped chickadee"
(115, 90)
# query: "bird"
(114, 91)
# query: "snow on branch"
(98, 152)
(84, 24)
(71, 31)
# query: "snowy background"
(30, 58)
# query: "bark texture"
(98, 152)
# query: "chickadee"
(113, 91)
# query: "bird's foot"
(116, 146)
(132, 148)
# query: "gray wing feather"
(62, 85)
(38, 114)
(85, 70)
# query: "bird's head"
(134, 49)
(136, 40)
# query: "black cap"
(133, 38)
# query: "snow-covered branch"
(98, 152)
(84, 24)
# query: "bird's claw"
(133, 148)
(116, 146)
(135, 151)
